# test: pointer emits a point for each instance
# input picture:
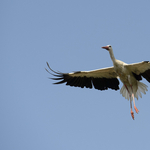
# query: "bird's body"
(130, 83)
(102, 79)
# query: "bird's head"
(108, 47)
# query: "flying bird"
(107, 78)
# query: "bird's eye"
(109, 45)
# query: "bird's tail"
(142, 88)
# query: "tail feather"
(142, 88)
(124, 92)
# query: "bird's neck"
(112, 56)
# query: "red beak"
(105, 47)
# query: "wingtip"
(52, 69)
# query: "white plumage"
(141, 88)
(102, 79)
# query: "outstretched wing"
(101, 79)
(140, 69)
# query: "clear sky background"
(34, 113)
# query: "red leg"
(132, 114)
(136, 110)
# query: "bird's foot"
(132, 114)
(136, 110)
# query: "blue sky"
(35, 114)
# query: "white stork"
(102, 79)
